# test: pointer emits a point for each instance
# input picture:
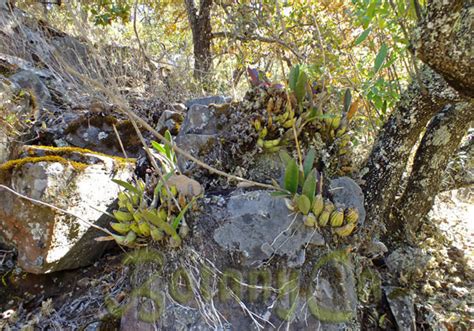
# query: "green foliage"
(309, 186)
(380, 58)
(105, 12)
(303, 204)
(296, 181)
(308, 162)
(293, 78)
(158, 219)
(166, 155)
(363, 36)
(304, 195)
(300, 87)
(347, 100)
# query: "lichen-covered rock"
(170, 120)
(200, 146)
(219, 135)
(402, 306)
(199, 120)
(260, 226)
(78, 182)
(30, 81)
(95, 131)
(410, 262)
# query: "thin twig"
(120, 141)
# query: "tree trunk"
(441, 140)
(443, 41)
(200, 22)
(390, 154)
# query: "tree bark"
(441, 140)
(389, 156)
(444, 42)
(200, 22)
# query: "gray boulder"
(48, 240)
(402, 305)
(248, 265)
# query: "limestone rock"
(48, 240)
(259, 226)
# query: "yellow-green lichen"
(69, 150)
(12, 164)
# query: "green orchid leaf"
(300, 88)
(347, 100)
(308, 162)
(293, 79)
(127, 186)
(291, 176)
(309, 186)
(362, 36)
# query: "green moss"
(375, 284)
(7, 166)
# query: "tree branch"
(254, 37)
(444, 42)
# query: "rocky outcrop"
(76, 181)
(249, 263)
